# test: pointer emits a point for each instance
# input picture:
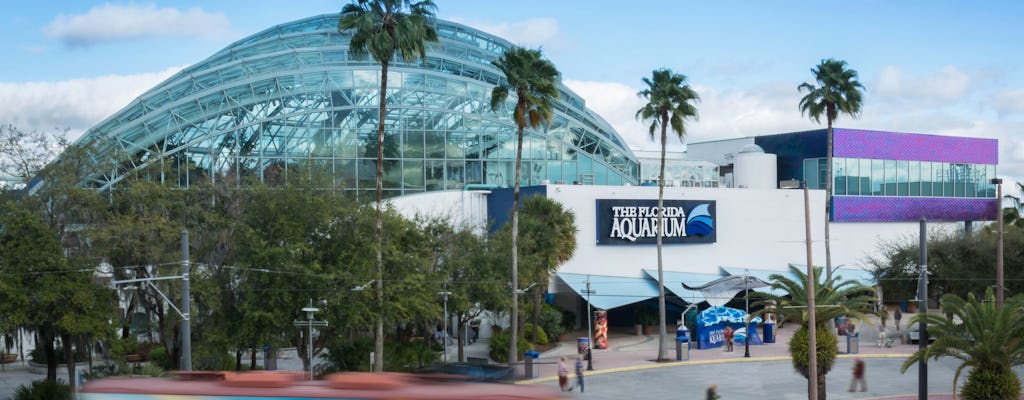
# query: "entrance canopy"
(674, 281)
(608, 292)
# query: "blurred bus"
(272, 385)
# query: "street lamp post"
(309, 324)
(999, 241)
(590, 329)
(746, 295)
(444, 327)
(812, 340)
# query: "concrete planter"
(8, 358)
(40, 369)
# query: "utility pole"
(812, 346)
(590, 329)
(999, 241)
(186, 305)
(746, 327)
(922, 291)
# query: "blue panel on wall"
(791, 150)
(499, 204)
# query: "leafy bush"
(38, 356)
(160, 358)
(409, 356)
(119, 348)
(151, 370)
(554, 321)
(354, 355)
(542, 337)
(211, 358)
(43, 390)
(991, 384)
(499, 347)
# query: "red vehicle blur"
(291, 385)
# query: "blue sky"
(941, 67)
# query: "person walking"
(563, 375)
(728, 338)
(712, 393)
(858, 376)
(579, 372)
(896, 318)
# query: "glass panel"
(852, 176)
(948, 175)
(890, 178)
(990, 174)
(367, 174)
(877, 178)
(960, 174)
(811, 173)
(600, 175)
(901, 177)
(473, 172)
(455, 174)
(865, 177)
(434, 146)
(822, 172)
(839, 172)
(434, 171)
(926, 178)
(345, 173)
(915, 178)
(412, 175)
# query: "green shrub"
(38, 356)
(991, 384)
(542, 337)
(211, 358)
(151, 370)
(43, 390)
(499, 347)
(160, 358)
(825, 343)
(409, 356)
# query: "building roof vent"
(751, 148)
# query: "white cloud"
(1007, 102)
(945, 86)
(75, 104)
(536, 32)
(111, 22)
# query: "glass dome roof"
(293, 95)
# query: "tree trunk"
(661, 273)
(49, 352)
(238, 360)
(378, 355)
(514, 320)
(822, 393)
(69, 358)
(252, 361)
(536, 314)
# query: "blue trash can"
(530, 364)
(682, 344)
(583, 347)
(768, 331)
(853, 343)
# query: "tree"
(382, 28)
(534, 80)
(984, 336)
(836, 298)
(837, 92)
(670, 102)
(552, 229)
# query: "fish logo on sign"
(699, 221)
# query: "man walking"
(858, 376)
(728, 338)
(896, 318)
(579, 372)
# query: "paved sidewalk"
(628, 351)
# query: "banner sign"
(636, 221)
(711, 325)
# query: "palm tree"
(535, 83)
(835, 297)
(670, 101)
(553, 230)
(984, 336)
(837, 91)
(383, 28)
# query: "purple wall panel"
(895, 209)
(855, 143)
